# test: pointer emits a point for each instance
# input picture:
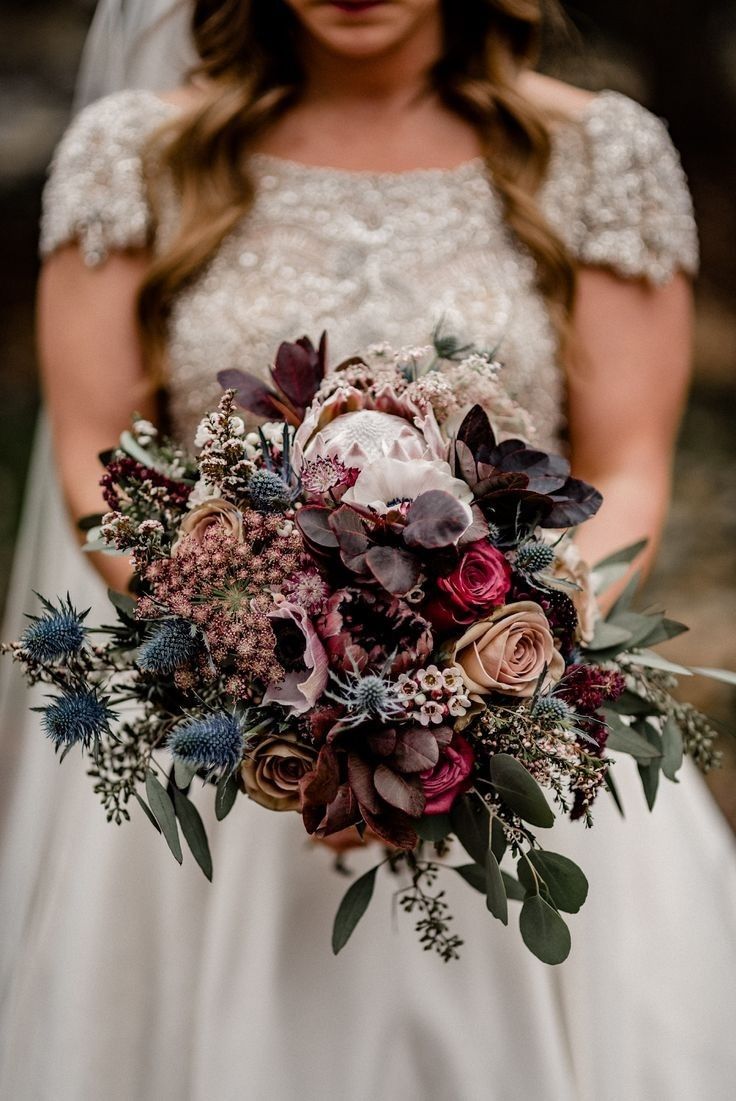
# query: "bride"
(373, 168)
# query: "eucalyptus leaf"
(543, 931)
(625, 556)
(163, 811)
(225, 795)
(520, 791)
(514, 889)
(124, 603)
(630, 703)
(613, 792)
(471, 823)
(473, 874)
(673, 749)
(184, 773)
(625, 739)
(651, 660)
(147, 810)
(194, 832)
(726, 676)
(433, 827)
(650, 782)
(498, 840)
(496, 901)
(606, 636)
(351, 909)
(565, 881)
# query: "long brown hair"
(249, 56)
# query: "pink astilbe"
(226, 587)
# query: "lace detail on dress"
(617, 194)
(377, 256)
(95, 193)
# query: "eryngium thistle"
(534, 556)
(269, 492)
(214, 742)
(58, 634)
(172, 645)
(76, 716)
(551, 709)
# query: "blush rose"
(449, 778)
(480, 581)
(509, 651)
(214, 512)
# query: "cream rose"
(216, 511)
(508, 652)
(272, 771)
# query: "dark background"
(676, 56)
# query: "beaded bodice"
(378, 256)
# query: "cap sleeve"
(617, 194)
(95, 191)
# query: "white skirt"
(125, 977)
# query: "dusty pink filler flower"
(224, 585)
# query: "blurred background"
(678, 57)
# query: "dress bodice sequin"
(378, 256)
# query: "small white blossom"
(203, 491)
(204, 433)
(431, 712)
(430, 679)
(150, 527)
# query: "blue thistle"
(214, 742)
(367, 697)
(535, 556)
(79, 715)
(172, 645)
(552, 710)
(59, 633)
(269, 492)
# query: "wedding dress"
(128, 978)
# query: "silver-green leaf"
(354, 904)
(194, 832)
(163, 811)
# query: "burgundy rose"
(480, 581)
(450, 777)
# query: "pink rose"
(449, 778)
(509, 651)
(479, 582)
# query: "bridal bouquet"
(368, 612)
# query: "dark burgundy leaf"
(406, 794)
(395, 569)
(313, 523)
(443, 735)
(393, 827)
(579, 503)
(296, 372)
(435, 519)
(251, 393)
(341, 813)
(319, 787)
(416, 749)
(360, 775)
(476, 432)
(382, 741)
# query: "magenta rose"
(449, 778)
(480, 581)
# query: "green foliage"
(520, 791)
(433, 827)
(194, 832)
(543, 931)
(351, 909)
(225, 795)
(470, 821)
(162, 809)
(496, 890)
